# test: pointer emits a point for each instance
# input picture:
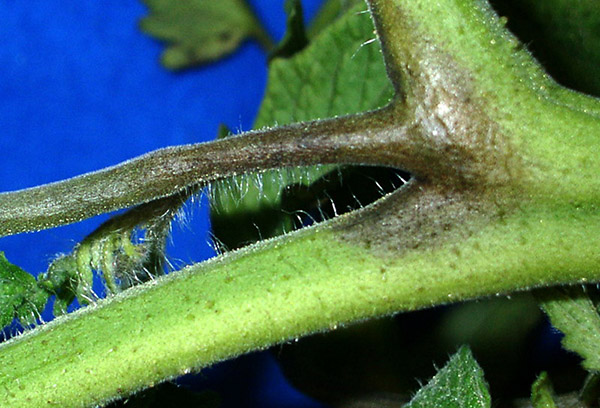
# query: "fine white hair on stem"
(360, 47)
(169, 171)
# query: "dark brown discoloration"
(437, 130)
(467, 165)
(448, 118)
(169, 171)
(416, 216)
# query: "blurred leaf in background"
(201, 31)
(340, 72)
(295, 38)
(562, 34)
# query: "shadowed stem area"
(345, 140)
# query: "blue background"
(81, 89)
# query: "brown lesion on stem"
(418, 216)
(165, 172)
(460, 145)
(467, 172)
(436, 128)
(372, 138)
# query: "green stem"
(271, 293)
(504, 198)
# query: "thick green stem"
(504, 199)
(272, 293)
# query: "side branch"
(345, 140)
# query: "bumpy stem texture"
(269, 294)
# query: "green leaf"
(571, 311)
(110, 251)
(542, 392)
(295, 38)
(201, 31)
(20, 297)
(330, 11)
(459, 384)
(62, 280)
(339, 73)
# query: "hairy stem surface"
(269, 294)
(348, 140)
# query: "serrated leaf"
(542, 392)
(20, 297)
(571, 311)
(201, 31)
(459, 384)
(340, 72)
